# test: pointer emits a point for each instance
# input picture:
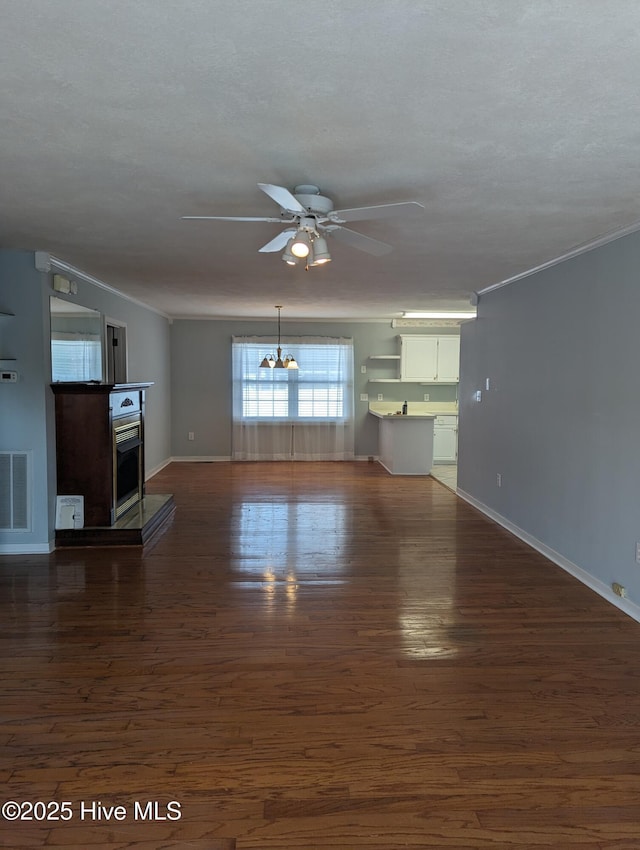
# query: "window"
(75, 357)
(321, 389)
(293, 414)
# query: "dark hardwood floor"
(315, 657)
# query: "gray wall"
(149, 359)
(561, 420)
(26, 407)
(201, 377)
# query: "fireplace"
(100, 447)
(127, 464)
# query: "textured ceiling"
(514, 123)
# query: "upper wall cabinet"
(430, 359)
(448, 359)
(418, 358)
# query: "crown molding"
(583, 248)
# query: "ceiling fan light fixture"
(287, 256)
(301, 244)
(321, 253)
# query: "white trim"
(27, 548)
(60, 265)
(108, 322)
(156, 469)
(225, 458)
(593, 583)
(336, 320)
(42, 261)
(598, 242)
(201, 459)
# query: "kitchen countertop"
(394, 416)
(416, 408)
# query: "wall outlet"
(499, 480)
(427, 396)
(619, 590)
(364, 396)
(477, 396)
(380, 397)
(191, 435)
(363, 370)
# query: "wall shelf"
(394, 357)
(6, 359)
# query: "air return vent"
(14, 491)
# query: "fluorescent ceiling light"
(441, 314)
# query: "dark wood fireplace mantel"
(86, 416)
(100, 449)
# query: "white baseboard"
(584, 577)
(149, 473)
(223, 458)
(27, 548)
(201, 459)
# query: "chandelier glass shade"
(279, 362)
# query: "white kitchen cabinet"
(430, 359)
(422, 360)
(445, 439)
(448, 359)
(418, 358)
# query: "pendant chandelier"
(269, 362)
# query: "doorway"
(116, 353)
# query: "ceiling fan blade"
(278, 242)
(379, 211)
(235, 218)
(357, 240)
(282, 197)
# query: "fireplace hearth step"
(146, 519)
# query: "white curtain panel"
(303, 414)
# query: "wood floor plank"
(317, 656)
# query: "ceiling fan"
(313, 218)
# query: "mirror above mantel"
(76, 342)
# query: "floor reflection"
(428, 614)
(285, 534)
(279, 544)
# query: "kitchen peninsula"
(405, 443)
(409, 444)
